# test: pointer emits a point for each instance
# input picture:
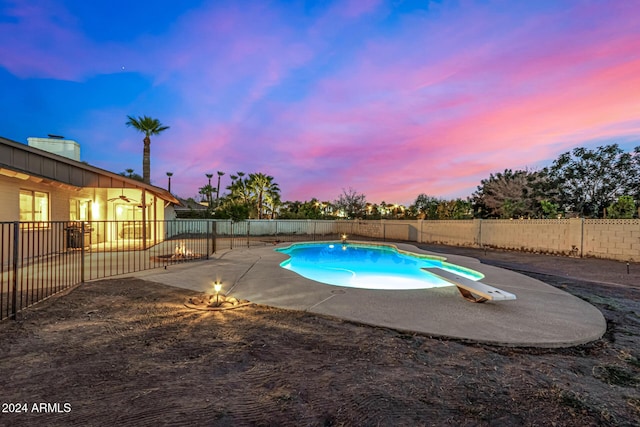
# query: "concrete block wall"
(373, 229)
(455, 233)
(612, 239)
(547, 236)
(400, 230)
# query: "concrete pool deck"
(542, 315)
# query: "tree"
(206, 191)
(263, 190)
(258, 192)
(454, 209)
(549, 209)
(292, 210)
(149, 127)
(238, 190)
(351, 203)
(624, 208)
(218, 188)
(169, 175)
(506, 194)
(635, 184)
(426, 206)
(232, 209)
(129, 173)
(587, 181)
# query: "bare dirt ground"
(128, 352)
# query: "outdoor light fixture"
(217, 286)
(344, 238)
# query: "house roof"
(190, 204)
(29, 163)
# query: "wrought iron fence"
(40, 259)
(35, 264)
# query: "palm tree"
(129, 173)
(210, 189)
(169, 175)
(239, 189)
(264, 189)
(218, 189)
(149, 127)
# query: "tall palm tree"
(210, 190)
(149, 127)
(169, 175)
(218, 189)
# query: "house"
(39, 188)
(191, 209)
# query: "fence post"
(14, 299)
(249, 232)
(208, 236)
(82, 253)
(214, 235)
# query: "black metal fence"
(34, 264)
(40, 259)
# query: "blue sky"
(390, 98)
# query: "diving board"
(472, 290)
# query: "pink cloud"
(432, 102)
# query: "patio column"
(144, 219)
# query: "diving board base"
(472, 290)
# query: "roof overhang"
(28, 163)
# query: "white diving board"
(472, 290)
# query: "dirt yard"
(128, 352)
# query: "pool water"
(368, 266)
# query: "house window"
(34, 206)
(78, 210)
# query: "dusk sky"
(391, 98)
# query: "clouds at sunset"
(392, 99)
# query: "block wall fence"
(617, 239)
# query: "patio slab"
(542, 316)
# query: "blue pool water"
(368, 266)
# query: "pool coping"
(541, 316)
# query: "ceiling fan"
(123, 198)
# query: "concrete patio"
(542, 316)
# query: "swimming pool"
(368, 266)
